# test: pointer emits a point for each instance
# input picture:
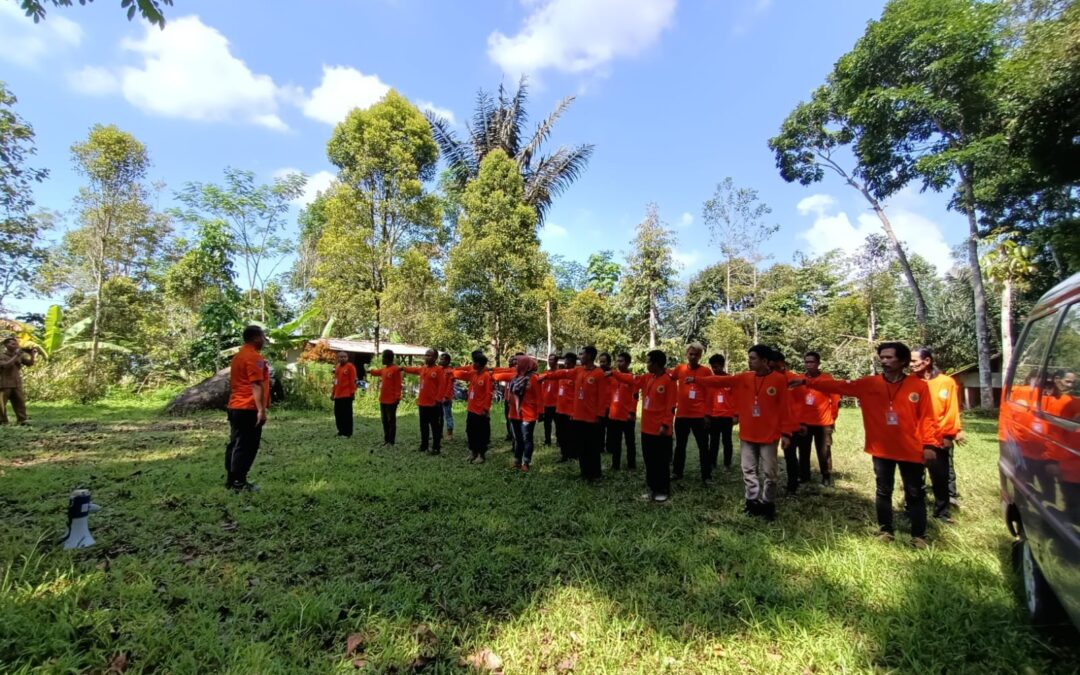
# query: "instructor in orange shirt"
(693, 406)
(945, 397)
(389, 395)
(659, 394)
(901, 433)
(817, 416)
(432, 385)
(343, 394)
(249, 386)
(589, 387)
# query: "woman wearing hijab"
(525, 402)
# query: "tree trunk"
(871, 335)
(727, 287)
(547, 312)
(1006, 323)
(95, 330)
(754, 314)
(378, 322)
(982, 334)
(905, 265)
(496, 341)
(652, 319)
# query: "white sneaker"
(660, 498)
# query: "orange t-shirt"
(549, 391)
(722, 400)
(945, 396)
(481, 387)
(898, 419)
(589, 387)
(659, 396)
(448, 384)
(344, 380)
(816, 409)
(694, 400)
(767, 396)
(564, 391)
(526, 408)
(390, 390)
(248, 367)
(432, 383)
(623, 404)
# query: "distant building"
(363, 351)
(967, 378)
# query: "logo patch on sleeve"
(913, 397)
(771, 391)
(943, 394)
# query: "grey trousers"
(759, 471)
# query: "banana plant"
(284, 337)
(56, 339)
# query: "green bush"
(63, 379)
(308, 386)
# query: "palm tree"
(499, 122)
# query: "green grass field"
(393, 562)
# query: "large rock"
(210, 394)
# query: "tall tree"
(603, 273)
(384, 154)
(1009, 264)
(114, 213)
(21, 251)
(256, 217)
(149, 9)
(312, 222)
(496, 268)
(808, 144)
(650, 269)
(919, 87)
(737, 221)
(498, 123)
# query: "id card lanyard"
(755, 410)
(891, 418)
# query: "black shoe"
(435, 451)
(768, 511)
(945, 519)
(677, 476)
(793, 490)
(750, 508)
(826, 481)
(244, 487)
(631, 467)
(706, 482)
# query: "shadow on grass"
(427, 559)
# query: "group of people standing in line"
(911, 420)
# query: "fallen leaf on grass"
(118, 664)
(575, 637)
(566, 665)
(485, 659)
(359, 664)
(719, 651)
(354, 642)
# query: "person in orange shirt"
(446, 400)
(622, 413)
(478, 408)
(690, 413)
(762, 405)
(524, 397)
(389, 395)
(945, 397)
(816, 417)
(343, 394)
(432, 384)
(901, 432)
(778, 364)
(550, 394)
(659, 395)
(589, 385)
(564, 408)
(603, 360)
(721, 415)
(249, 397)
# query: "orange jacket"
(527, 408)
(590, 386)
(623, 400)
(659, 396)
(945, 396)
(722, 401)
(898, 419)
(448, 385)
(390, 389)
(248, 367)
(765, 394)
(564, 391)
(550, 389)
(815, 408)
(694, 402)
(432, 383)
(481, 386)
(344, 380)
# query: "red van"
(1039, 435)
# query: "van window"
(1060, 396)
(1028, 374)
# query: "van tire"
(1042, 606)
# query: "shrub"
(307, 387)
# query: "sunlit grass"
(429, 559)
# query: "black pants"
(821, 438)
(720, 430)
(683, 427)
(616, 432)
(791, 465)
(953, 493)
(549, 421)
(938, 468)
(245, 434)
(656, 451)
(343, 409)
(389, 422)
(586, 438)
(564, 434)
(431, 427)
(911, 474)
(478, 433)
(603, 421)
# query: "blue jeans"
(448, 414)
(523, 441)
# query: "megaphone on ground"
(79, 509)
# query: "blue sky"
(674, 94)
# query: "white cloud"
(578, 36)
(445, 113)
(688, 259)
(188, 71)
(552, 230)
(749, 16)
(320, 181)
(834, 230)
(342, 89)
(94, 81)
(686, 220)
(25, 43)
